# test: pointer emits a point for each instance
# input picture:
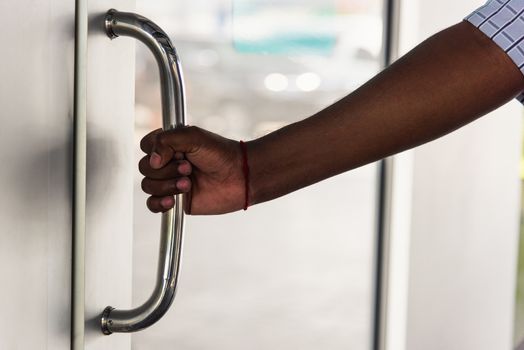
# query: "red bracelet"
(245, 170)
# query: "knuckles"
(147, 141)
(153, 205)
(159, 139)
(143, 165)
(145, 185)
(159, 187)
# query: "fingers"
(163, 191)
(163, 146)
(162, 188)
(147, 142)
(167, 172)
(165, 182)
(175, 168)
(160, 204)
(160, 153)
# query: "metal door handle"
(173, 115)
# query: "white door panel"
(36, 98)
(110, 163)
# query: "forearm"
(446, 82)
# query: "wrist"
(261, 176)
(245, 173)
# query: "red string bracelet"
(245, 170)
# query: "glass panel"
(295, 273)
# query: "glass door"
(295, 273)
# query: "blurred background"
(297, 273)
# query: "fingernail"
(167, 202)
(155, 160)
(184, 169)
(183, 185)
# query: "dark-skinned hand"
(205, 166)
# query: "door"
(109, 163)
(36, 99)
(296, 273)
(37, 74)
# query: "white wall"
(455, 221)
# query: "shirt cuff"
(503, 22)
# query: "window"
(296, 273)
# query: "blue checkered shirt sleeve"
(503, 22)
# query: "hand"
(190, 160)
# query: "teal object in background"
(288, 45)
(307, 28)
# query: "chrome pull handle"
(172, 228)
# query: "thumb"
(160, 155)
(168, 144)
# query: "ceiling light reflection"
(308, 81)
(276, 82)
